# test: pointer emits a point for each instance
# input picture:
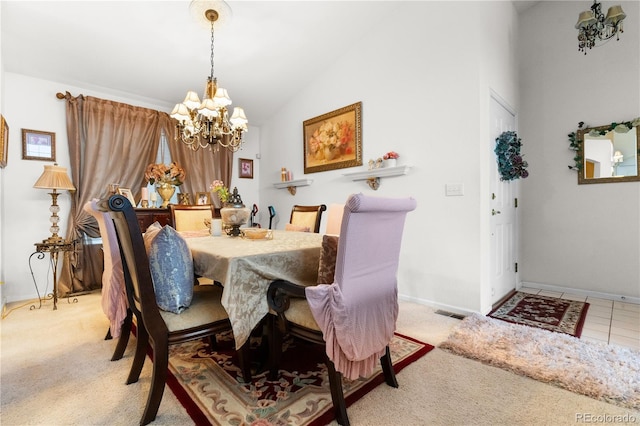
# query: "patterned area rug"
(549, 313)
(209, 385)
(605, 372)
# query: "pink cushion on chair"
(297, 228)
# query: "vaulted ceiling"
(157, 50)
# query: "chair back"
(114, 296)
(191, 217)
(137, 273)
(369, 244)
(334, 219)
(307, 216)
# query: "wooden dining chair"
(204, 317)
(307, 217)
(354, 316)
(192, 217)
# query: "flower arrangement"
(391, 155)
(510, 163)
(332, 139)
(161, 173)
(218, 187)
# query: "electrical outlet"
(454, 189)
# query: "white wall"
(425, 88)
(585, 238)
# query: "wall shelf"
(373, 176)
(291, 185)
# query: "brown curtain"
(204, 166)
(109, 142)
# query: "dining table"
(246, 267)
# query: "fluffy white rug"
(605, 372)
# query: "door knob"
(494, 212)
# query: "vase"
(390, 162)
(166, 191)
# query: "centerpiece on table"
(165, 178)
(233, 211)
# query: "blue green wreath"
(510, 163)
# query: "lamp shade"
(615, 15)
(585, 19)
(54, 177)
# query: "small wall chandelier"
(594, 27)
(201, 125)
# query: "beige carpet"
(55, 370)
(606, 372)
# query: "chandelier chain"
(212, 43)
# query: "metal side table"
(54, 247)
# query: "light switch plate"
(454, 189)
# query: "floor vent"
(449, 314)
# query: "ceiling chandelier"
(594, 27)
(207, 123)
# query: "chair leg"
(141, 352)
(244, 358)
(108, 336)
(387, 369)
(125, 332)
(275, 346)
(337, 395)
(158, 378)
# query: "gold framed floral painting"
(4, 141)
(333, 140)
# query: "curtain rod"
(60, 95)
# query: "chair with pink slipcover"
(354, 316)
(114, 295)
(334, 219)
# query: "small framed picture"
(127, 193)
(246, 168)
(37, 145)
(4, 141)
(202, 198)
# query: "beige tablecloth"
(247, 267)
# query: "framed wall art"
(246, 168)
(4, 141)
(333, 140)
(203, 198)
(37, 145)
(126, 192)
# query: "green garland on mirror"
(576, 145)
(510, 163)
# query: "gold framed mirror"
(608, 154)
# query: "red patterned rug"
(209, 385)
(549, 313)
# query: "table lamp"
(55, 178)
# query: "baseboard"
(579, 292)
(436, 306)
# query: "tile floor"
(607, 321)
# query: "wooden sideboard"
(147, 216)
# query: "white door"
(503, 211)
